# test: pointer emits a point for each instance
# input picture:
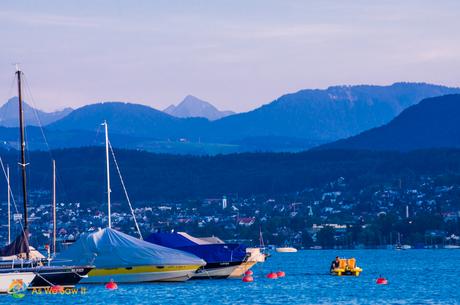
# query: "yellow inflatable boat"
(347, 267)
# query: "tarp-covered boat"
(126, 259)
(221, 259)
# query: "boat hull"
(216, 270)
(286, 250)
(65, 277)
(255, 256)
(141, 274)
(347, 272)
(47, 276)
(8, 278)
(241, 269)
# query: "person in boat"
(335, 263)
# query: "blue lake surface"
(415, 277)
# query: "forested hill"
(432, 123)
(81, 172)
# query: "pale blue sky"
(237, 54)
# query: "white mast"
(9, 203)
(108, 171)
(54, 207)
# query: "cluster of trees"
(383, 230)
(423, 229)
(81, 172)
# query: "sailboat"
(400, 246)
(126, 259)
(19, 250)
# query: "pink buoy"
(248, 278)
(281, 274)
(56, 289)
(272, 276)
(249, 272)
(111, 285)
(381, 281)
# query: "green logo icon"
(17, 289)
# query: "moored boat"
(17, 255)
(286, 249)
(14, 258)
(126, 259)
(221, 259)
(123, 258)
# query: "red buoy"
(281, 274)
(248, 278)
(249, 272)
(382, 281)
(272, 276)
(111, 285)
(57, 289)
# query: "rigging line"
(48, 282)
(126, 192)
(34, 107)
(98, 130)
(11, 193)
(28, 92)
(40, 125)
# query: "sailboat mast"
(54, 207)
(23, 156)
(9, 203)
(108, 173)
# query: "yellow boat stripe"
(141, 269)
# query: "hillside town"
(424, 214)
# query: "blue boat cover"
(211, 253)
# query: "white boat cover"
(33, 254)
(202, 240)
(109, 248)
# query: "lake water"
(415, 277)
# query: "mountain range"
(293, 122)
(432, 123)
(193, 107)
(9, 114)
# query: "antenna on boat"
(23, 156)
(108, 172)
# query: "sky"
(236, 54)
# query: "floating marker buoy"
(249, 272)
(248, 278)
(56, 289)
(281, 274)
(272, 276)
(381, 281)
(111, 285)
